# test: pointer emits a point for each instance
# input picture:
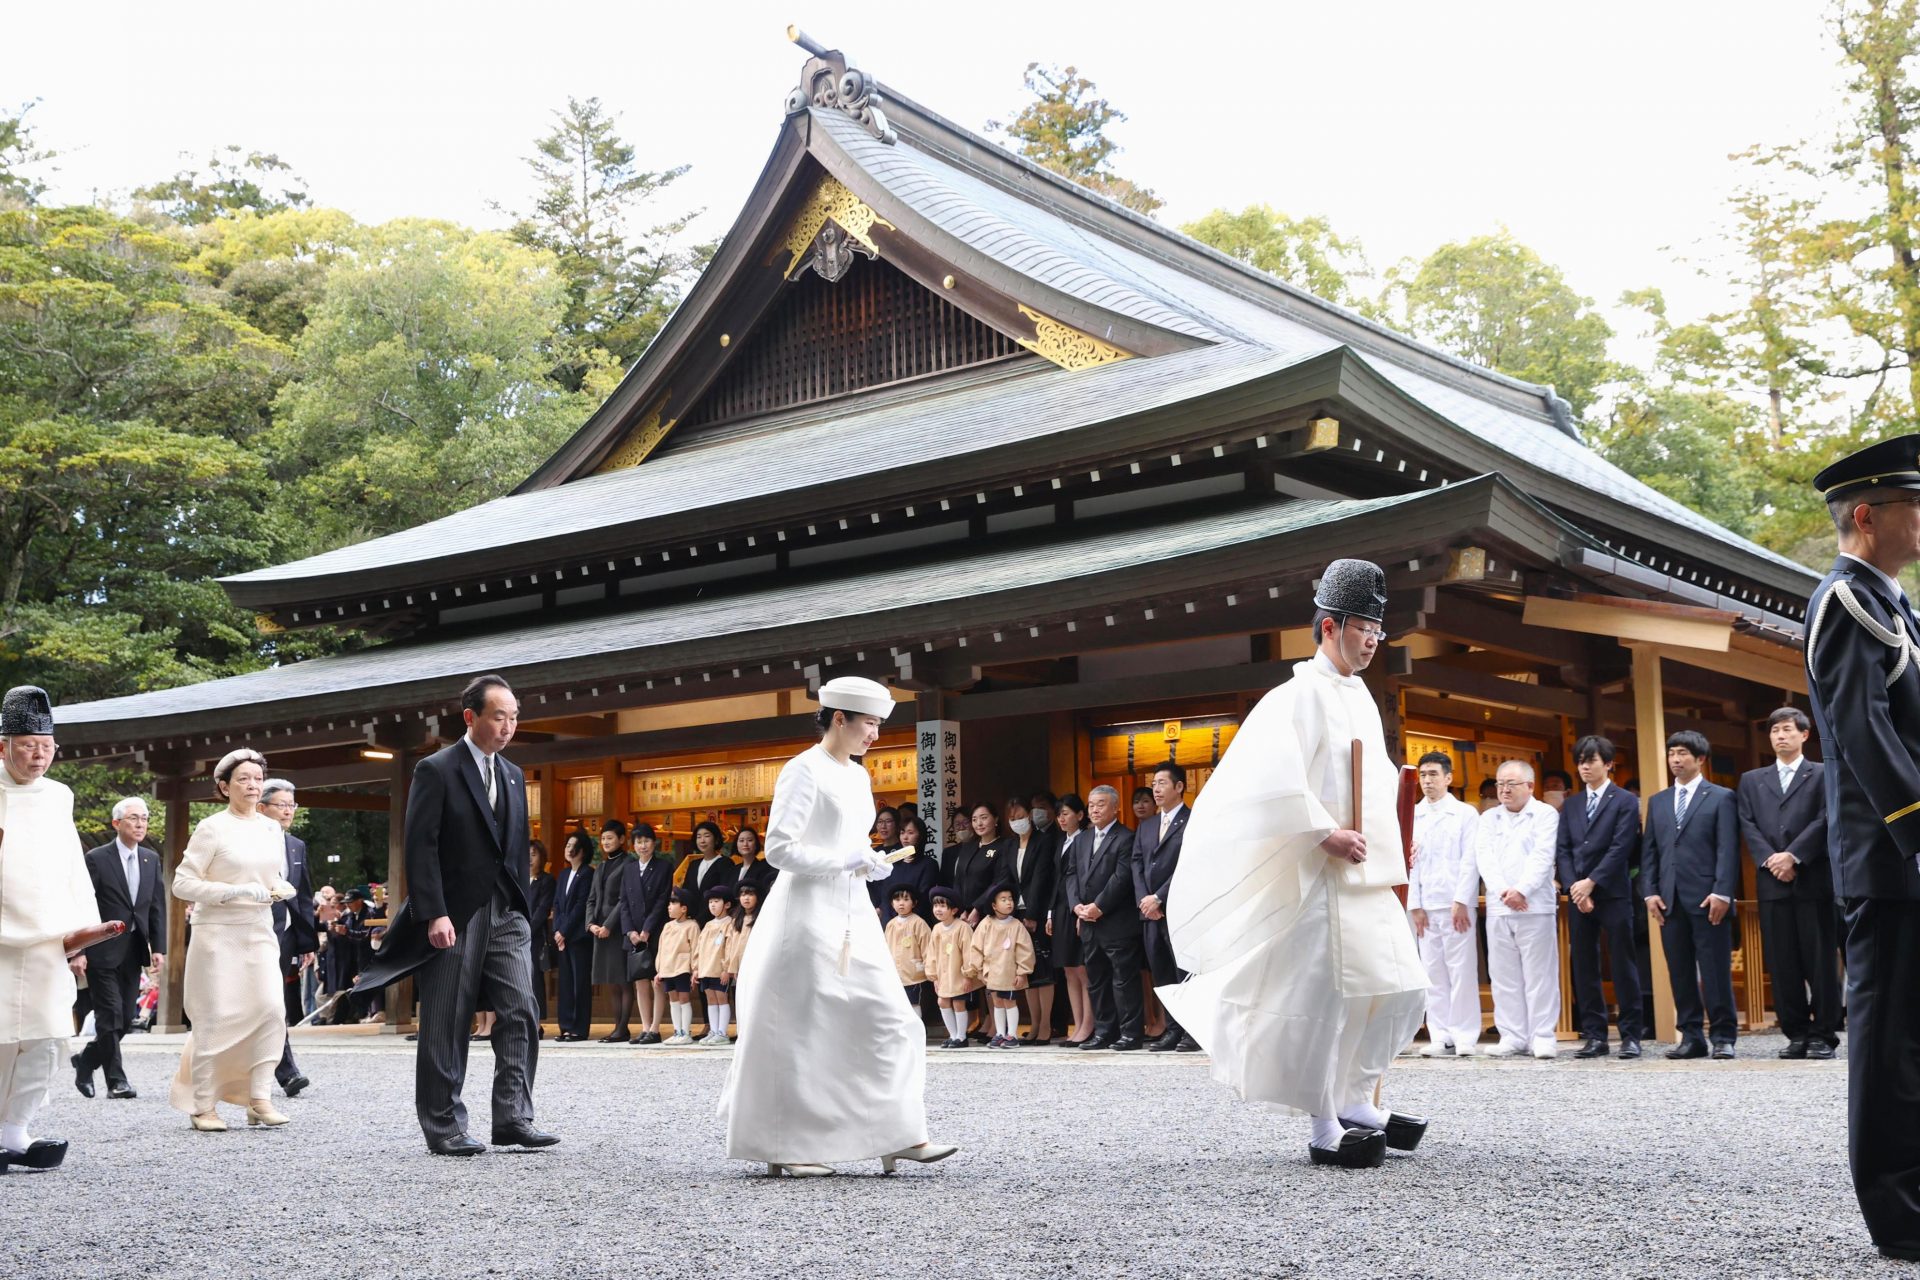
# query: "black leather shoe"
(82, 1077)
(1098, 1042)
(1404, 1132)
(615, 1037)
(1166, 1043)
(1794, 1049)
(1906, 1253)
(121, 1089)
(1359, 1149)
(522, 1135)
(47, 1153)
(458, 1145)
(647, 1037)
(295, 1085)
(1689, 1048)
(1592, 1049)
(1127, 1044)
(1187, 1045)
(1722, 1050)
(1629, 1048)
(1822, 1050)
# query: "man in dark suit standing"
(540, 888)
(1597, 844)
(1101, 892)
(1783, 814)
(293, 921)
(1690, 874)
(465, 928)
(126, 883)
(1156, 852)
(1864, 674)
(572, 944)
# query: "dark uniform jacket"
(1869, 723)
(146, 916)
(1794, 823)
(1604, 850)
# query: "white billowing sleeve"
(797, 821)
(190, 878)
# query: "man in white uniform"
(1513, 852)
(45, 896)
(1305, 981)
(1443, 829)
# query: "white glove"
(256, 893)
(281, 891)
(860, 863)
(880, 869)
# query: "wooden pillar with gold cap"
(1650, 732)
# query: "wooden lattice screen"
(876, 326)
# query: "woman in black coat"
(603, 922)
(540, 886)
(573, 945)
(643, 910)
(981, 866)
(1070, 820)
(919, 873)
(1031, 871)
(755, 870)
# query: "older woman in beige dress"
(233, 870)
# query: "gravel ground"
(1072, 1165)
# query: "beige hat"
(858, 695)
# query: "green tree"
(1494, 301)
(1305, 252)
(1065, 129)
(19, 156)
(420, 385)
(230, 182)
(621, 282)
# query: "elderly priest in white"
(1305, 979)
(1513, 853)
(46, 902)
(831, 1064)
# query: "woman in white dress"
(831, 1063)
(233, 871)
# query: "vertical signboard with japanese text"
(937, 744)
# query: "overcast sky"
(1598, 134)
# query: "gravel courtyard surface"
(1072, 1164)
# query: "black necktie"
(498, 792)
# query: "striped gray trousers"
(491, 960)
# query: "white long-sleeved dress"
(830, 1065)
(232, 989)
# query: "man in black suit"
(1597, 845)
(1865, 682)
(126, 884)
(572, 944)
(1101, 891)
(293, 921)
(1156, 852)
(465, 929)
(1783, 814)
(1690, 874)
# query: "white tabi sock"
(14, 1137)
(1327, 1133)
(1364, 1112)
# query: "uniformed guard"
(1863, 659)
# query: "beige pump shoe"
(925, 1153)
(208, 1123)
(800, 1170)
(261, 1112)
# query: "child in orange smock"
(1000, 954)
(946, 966)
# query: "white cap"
(858, 695)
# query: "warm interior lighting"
(375, 753)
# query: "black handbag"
(640, 963)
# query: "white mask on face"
(1021, 826)
(1043, 819)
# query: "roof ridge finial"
(830, 80)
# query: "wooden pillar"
(172, 792)
(399, 778)
(1063, 752)
(1650, 732)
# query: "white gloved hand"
(860, 862)
(256, 893)
(281, 891)
(880, 869)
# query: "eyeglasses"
(1509, 784)
(1370, 633)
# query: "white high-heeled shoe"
(925, 1153)
(800, 1170)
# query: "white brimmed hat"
(857, 694)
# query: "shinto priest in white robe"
(45, 894)
(1305, 977)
